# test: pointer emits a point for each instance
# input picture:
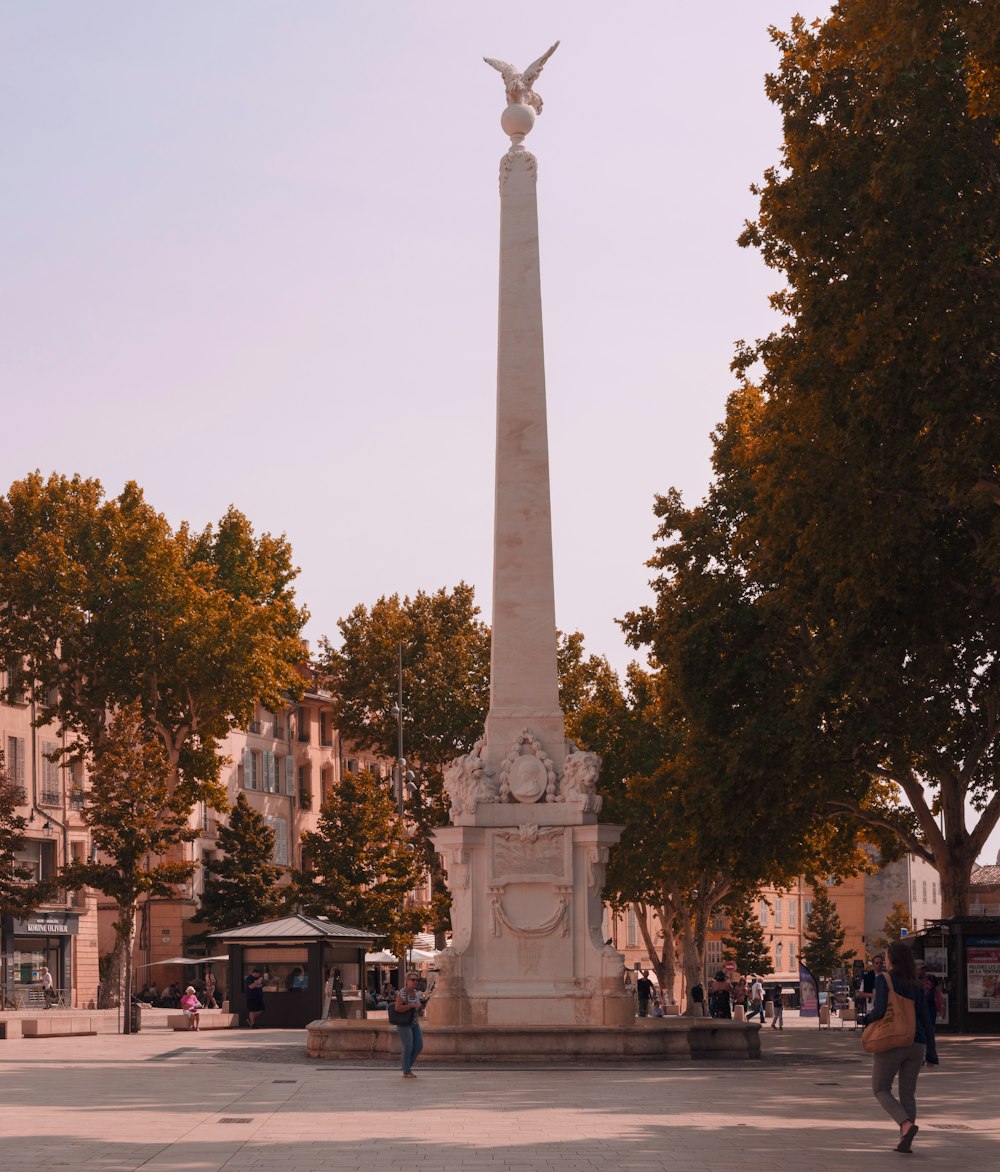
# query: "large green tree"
(713, 812)
(446, 680)
(823, 949)
(137, 818)
(897, 923)
(105, 604)
(241, 882)
(359, 867)
(868, 453)
(746, 943)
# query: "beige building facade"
(286, 764)
(62, 934)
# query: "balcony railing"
(50, 797)
(254, 727)
(278, 731)
(77, 799)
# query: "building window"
(304, 725)
(15, 764)
(277, 729)
(251, 769)
(352, 766)
(713, 955)
(254, 728)
(51, 781)
(807, 907)
(791, 954)
(39, 857)
(762, 911)
(779, 952)
(632, 934)
(280, 828)
(325, 729)
(913, 885)
(16, 681)
(924, 885)
(777, 913)
(934, 897)
(270, 773)
(791, 913)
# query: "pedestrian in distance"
(191, 1007)
(698, 999)
(721, 1006)
(756, 999)
(48, 989)
(253, 986)
(408, 1007)
(866, 994)
(904, 1061)
(935, 999)
(211, 984)
(778, 1021)
(644, 993)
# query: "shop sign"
(982, 960)
(51, 925)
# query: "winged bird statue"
(518, 85)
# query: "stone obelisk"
(525, 854)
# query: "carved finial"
(518, 85)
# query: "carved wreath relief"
(527, 775)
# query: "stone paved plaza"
(244, 1100)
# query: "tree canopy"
(106, 604)
(823, 948)
(359, 869)
(136, 819)
(19, 896)
(241, 882)
(746, 943)
(872, 451)
(827, 618)
(446, 687)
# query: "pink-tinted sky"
(249, 255)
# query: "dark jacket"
(914, 993)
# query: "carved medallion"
(527, 779)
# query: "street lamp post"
(402, 777)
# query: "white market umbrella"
(190, 960)
(382, 957)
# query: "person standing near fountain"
(407, 1009)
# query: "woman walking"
(904, 1061)
(410, 1035)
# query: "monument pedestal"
(526, 913)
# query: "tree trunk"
(111, 986)
(692, 964)
(663, 953)
(955, 873)
(126, 931)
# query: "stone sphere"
(517, 119)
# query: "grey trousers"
(906, 1062)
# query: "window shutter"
(15, 760)
(268, 771)
(290, 776)
(249, 782)
(50, 769)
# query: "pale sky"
(248, 255)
